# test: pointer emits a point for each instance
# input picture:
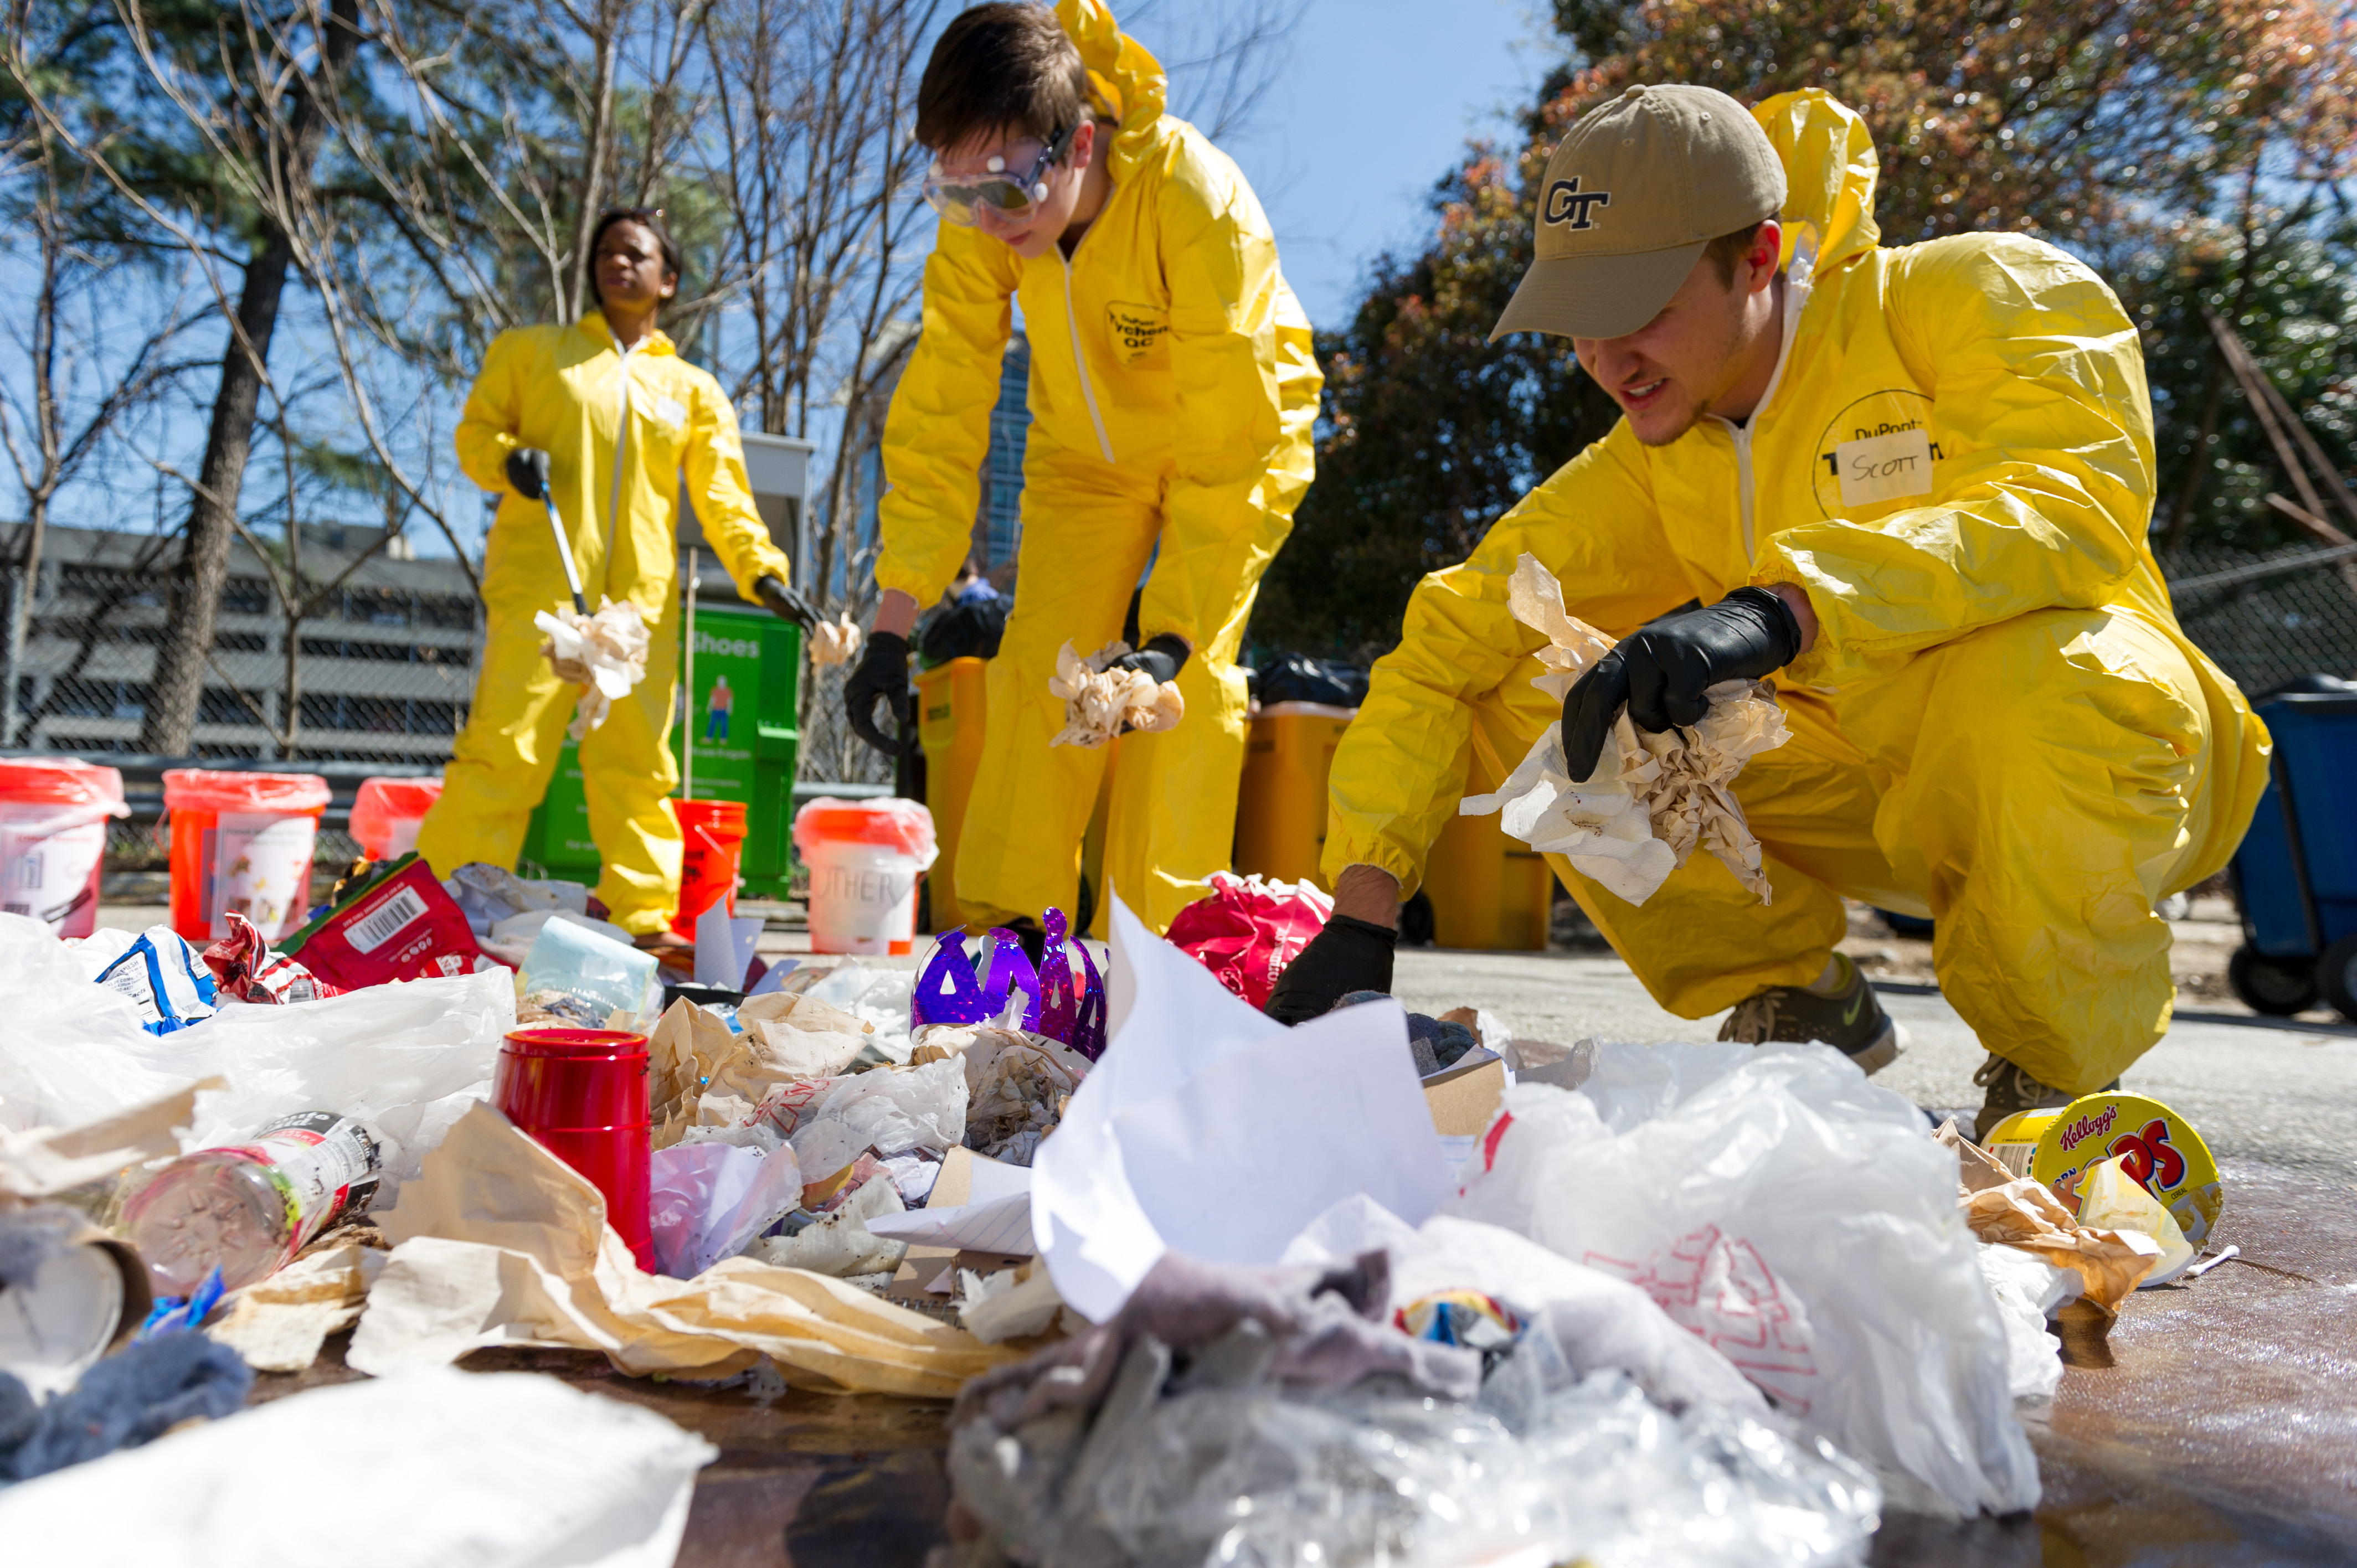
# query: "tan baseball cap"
(1633, 196)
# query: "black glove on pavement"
(528, 472)
(1661, 670)
(786, 604)
(882, 672)
(1162, 657)
(1347, 955)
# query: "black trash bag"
(1297, 678)
(970, 629)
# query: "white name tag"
(670, 410)
(1884, 467)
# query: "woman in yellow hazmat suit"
(1173, 388)
(1997, 722)
(608, 416)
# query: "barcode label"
(381, 924)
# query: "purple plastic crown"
(1058, 1002)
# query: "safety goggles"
(1011, 199)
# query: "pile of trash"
(1381, 1287)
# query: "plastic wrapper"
(877, 997)
(159, 972)
(1248, 930)
(1100, 701)
(1743, 1205)
(834, 642)
(1217, 1463)
(708, 1201)
(1654, 798)
(489, 894)
(887, 1110)
(245, 968)
(605, 653)
(571, 960)
(404, 926)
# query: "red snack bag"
(400, 927)
(1248, 930)
(244, 967)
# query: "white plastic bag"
(469, 1469)
(2029, 1290)
(894, 1110)
(1805, 1224)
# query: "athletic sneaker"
(1850, 1020)
(2008, 1089)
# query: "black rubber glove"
(1661, 672)
(528, 472)
(1162, 657)
(783, 602)
(882, 672)
(1347, 955)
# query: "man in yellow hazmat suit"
(1913, 485)
(606, 418)
(1173, 389)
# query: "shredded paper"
(1099, 703)
(606, 652)
(833, 642)
(1653, 796)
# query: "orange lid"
(896, 823)
(384, 801)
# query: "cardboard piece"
(1463, 1098)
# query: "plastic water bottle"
(249, 1207)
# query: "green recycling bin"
(740, 716)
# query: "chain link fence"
(2269, 617)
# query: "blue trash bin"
(2295, 873)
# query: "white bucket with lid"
(865, 859)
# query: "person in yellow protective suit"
(604, 418)
(1173, 388)
(1911, 483)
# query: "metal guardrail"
(2185, 588)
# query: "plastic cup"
(583, 1094)
(714, 832)
(242, 841)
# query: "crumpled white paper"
(606, 652)
(1653, 796)
(1100, 701)
(834, 642)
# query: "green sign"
(738, 715)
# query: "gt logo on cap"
(1566, 203)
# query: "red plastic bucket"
(387, 812)
(583, 1093)
(242, 841)
(53, 812)
(714, 832)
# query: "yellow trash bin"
(1281, 802)
(1488, 891)
(950, 708)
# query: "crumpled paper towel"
(1653, 796)
(607, 653)
(834, 642)
(1099, 703)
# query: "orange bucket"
(242, 841)
(715, 835)
(387, 813)
(53, 812)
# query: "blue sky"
(1377, 103)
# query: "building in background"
(998, 513)
(383, 670)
